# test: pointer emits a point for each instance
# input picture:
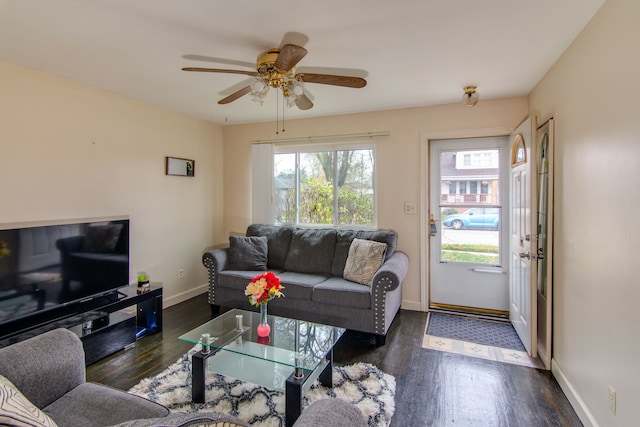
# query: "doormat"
(487, 339)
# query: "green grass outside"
(459, 256)
(468, 247)
(481, 254)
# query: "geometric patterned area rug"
(372, 390)
(485, 339)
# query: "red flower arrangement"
(263, 288)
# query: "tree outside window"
(325, 187)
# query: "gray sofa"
(311, 266)
(42, 383)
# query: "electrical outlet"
(409, 208)
(180, 273)
(612, 400)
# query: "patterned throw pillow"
(365, 258)
(17, 411)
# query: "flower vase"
(263, 328)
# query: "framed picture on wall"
(179, 166)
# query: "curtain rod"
(324, 137)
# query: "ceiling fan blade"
(303, 102)
(328, 79)
(220, 70)
(289, 56)
(235, 95)
(217, 60)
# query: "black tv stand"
(103, 323)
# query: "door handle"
(433, 230)
(524, 255)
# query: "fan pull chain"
(277, 118)
(284, 99)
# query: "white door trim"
(425, 137)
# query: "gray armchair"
(49, 371)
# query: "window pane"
(284, 199)
(355, 187)
(326, 186)
(470, 219)
(316, 189)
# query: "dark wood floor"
(433, 388)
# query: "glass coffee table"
(291, 358)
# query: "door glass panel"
(543, 217)
(471, 215)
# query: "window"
(484, 159)
(324, 185)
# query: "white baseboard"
(574, 398)
(183, 296)
(410, 305)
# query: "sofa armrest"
(388, 278)
(215, 261)
(216, 258)
(331, 412)
(183, 419)
(391, 274)
(45, 367)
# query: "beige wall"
(69, 151)
(592, 93)
(398, 162)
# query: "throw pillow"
(365, 258)
(101, 238)
(17, 411)
(278, 241)
(311, 251)
(248, 253)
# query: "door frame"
(425, 138)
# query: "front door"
(522, 295)
(468, 231)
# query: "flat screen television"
(44, 268)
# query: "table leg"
(293, 398)
(293, 389)
(326, 377)
(198, 376)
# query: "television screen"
(46, 267)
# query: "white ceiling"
(412, 52)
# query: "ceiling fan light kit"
(470, 97)
(276, 68)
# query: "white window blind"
(261, 183)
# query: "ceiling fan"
(276, 68)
